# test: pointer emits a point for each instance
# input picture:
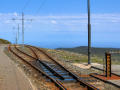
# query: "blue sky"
(62, 23)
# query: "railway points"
(56, 73)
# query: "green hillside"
(99, 52)
(2, 41)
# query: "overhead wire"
(25, 5)
(41, 6)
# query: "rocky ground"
(65, 58)
(35, 77)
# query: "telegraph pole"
(89, 33)
(17, 34)
(18, 31)
(22, 19)
(16, 38)
(23, 29)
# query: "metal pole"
(16, 39)
(89, 34)
(104, 68)
(14, 34)
(23, 29)
(18, 31)
(108, 64)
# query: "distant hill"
(2, 41)
(100, 52)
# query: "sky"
(61, 23)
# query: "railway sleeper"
(50, 69)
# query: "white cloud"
(53, 22)
(82, 18)
(15, 14)
(7, 22)
(61, 21)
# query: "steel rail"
(89, 86)
(103, 70)
(53, 71)
(118, 86)
(24, 53)
(56, 74)
(56, 82)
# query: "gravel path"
(12, 78)
(43, 85)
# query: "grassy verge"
(76, 57)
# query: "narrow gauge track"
(58, 72)
(68, 78)
(26, 58)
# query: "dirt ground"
(115, 68)
(11, 77)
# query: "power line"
(23, 20)
(26, 4)
(41, 6)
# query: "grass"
(77, 57)
(95, 52)
(2, 41)
(73, 57)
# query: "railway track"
(28, 60)
(43, 55)
(56, 73)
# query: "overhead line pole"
(89, 33)
(23, 29)
(22, 19)
(18, 31)
(16, 38)
(15, 35)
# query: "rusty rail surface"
(88, 86)
(56, 82)
(103, 70)
(56, 74)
